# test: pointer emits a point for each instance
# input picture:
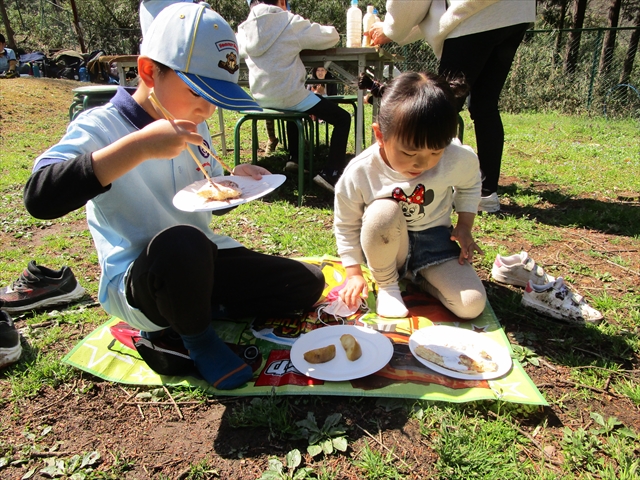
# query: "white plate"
(189, 201)
(377, 350)
(451, 342)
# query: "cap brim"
(227, 95)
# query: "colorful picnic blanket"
(403, 377)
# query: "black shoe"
(327, 179)
(40, 286)
(10, 347)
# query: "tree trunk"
(627, 66)
(77, 27)
(7, 26)
(606, 58)
(556, 49)
(573, 47)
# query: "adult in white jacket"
(270, 42)
(478, 38)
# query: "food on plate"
(351, 346)
(468, 364)
(219, 191)
(479, 366)
(320, 355)
(430, 355)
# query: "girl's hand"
(355, 289)
(467, 245)
(250, 170)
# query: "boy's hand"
(356, 287)
(167, 139)
(249, 170)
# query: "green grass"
(569, 171)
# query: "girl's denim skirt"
(429, 247)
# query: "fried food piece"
(351, 346)
(429, 355)
(320, 355)
(470, 365)
(219, 191)
(480, 366)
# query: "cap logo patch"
(231, 65)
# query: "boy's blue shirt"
(138, 205)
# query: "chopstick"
(169, 116)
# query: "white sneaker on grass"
(518, 269)
(556, 300)
(490, 203)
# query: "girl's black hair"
(420, 109)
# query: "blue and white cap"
(200, 46)
(149, 9)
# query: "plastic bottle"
(376, 18)
(367, 20)
(354, 25)
(36, 70)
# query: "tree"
(573, 47)
(627, 66)
(7, 26)
(610, 38)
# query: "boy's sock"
(390, 303)
(215, 361)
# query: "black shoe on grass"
(10, 347)
(39, 287)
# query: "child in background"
(161, 267)
(270, 41)
(394, 201)
(325, 89)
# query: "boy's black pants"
(182, 276)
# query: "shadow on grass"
(561, 210)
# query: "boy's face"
(180, 100)
(405, 159)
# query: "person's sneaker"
(490, 203)
(40, 286)
(291, 167)
(10, 347)
(518, 269)
(556, 300)
(327, 179)
(272, 143)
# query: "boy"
(161, 267)
(270, 41)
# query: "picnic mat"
(403, 377)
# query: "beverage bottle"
(376, 18)
(354, 25)
(367, 21)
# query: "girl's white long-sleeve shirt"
(408, 21)
(427, 200)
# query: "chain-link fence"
(561, 70)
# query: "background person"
(8, 61)
(478, 39)
(271, 40)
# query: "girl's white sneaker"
(518, 269)
(556, 300)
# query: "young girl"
(394, 201)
